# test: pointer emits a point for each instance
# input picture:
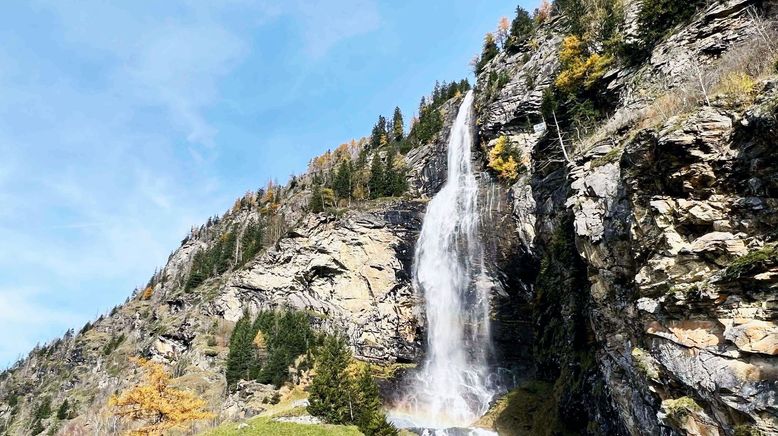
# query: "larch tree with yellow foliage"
(156, 404)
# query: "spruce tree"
(226, 251)
(394, 178)
(64, 411)
(332, 390)
(376, 182)
(521, 28)
(251, 241)
(370, 418)
(490, 51)
(240, 358)
(200, 270)
(379, 135)
(397, 125)
(316, 204)
(343, 180)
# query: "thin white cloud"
(88, 192)
(323, 24)
(24, 317)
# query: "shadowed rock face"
(674, 307)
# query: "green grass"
(264, 426)
(528, 409)
(610, 157)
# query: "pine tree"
(398, 128)
(316, 204)
(395, 183)
(490, 51)
(379, 136)
(63, 412)
(287, 336)
(240, 358)
(226, 251)
(339, 397)
(370, 418)
(521, 28)
(343, 182)
(332, 391)
(251, 241)
(200, 270)
(376, 182)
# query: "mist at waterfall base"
(454, 387)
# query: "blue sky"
(124, 123)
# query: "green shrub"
(611, 156)
(656, 19)
(679, 408)
(752, 262)
(113, 344)
(64, 411)
(747, 430)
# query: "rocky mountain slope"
(633, 262)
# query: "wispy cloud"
(24, 316)
(108, 145)
(325, 23)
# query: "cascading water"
(452, 388)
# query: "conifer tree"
(316, 204)
(200, 270)
(344, 179)
(339, 397)
(490, 51)
(64, 410)
(251, 241)
(397, 125)
(226, 251)
(379, 136)
(240, 358)
(370, 418)
(394, 178)
(376, 183)
(331, 391)
(521, 28)
(157, 404)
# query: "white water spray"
(452, 388)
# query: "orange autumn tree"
(159, 406)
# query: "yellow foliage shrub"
(579, 69)
(260, 341)
(737, 86)
(504, 159)
(147, 293)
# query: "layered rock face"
(671, 227)
(352, 273)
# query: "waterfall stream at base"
(452, 388)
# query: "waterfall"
(452, 388)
